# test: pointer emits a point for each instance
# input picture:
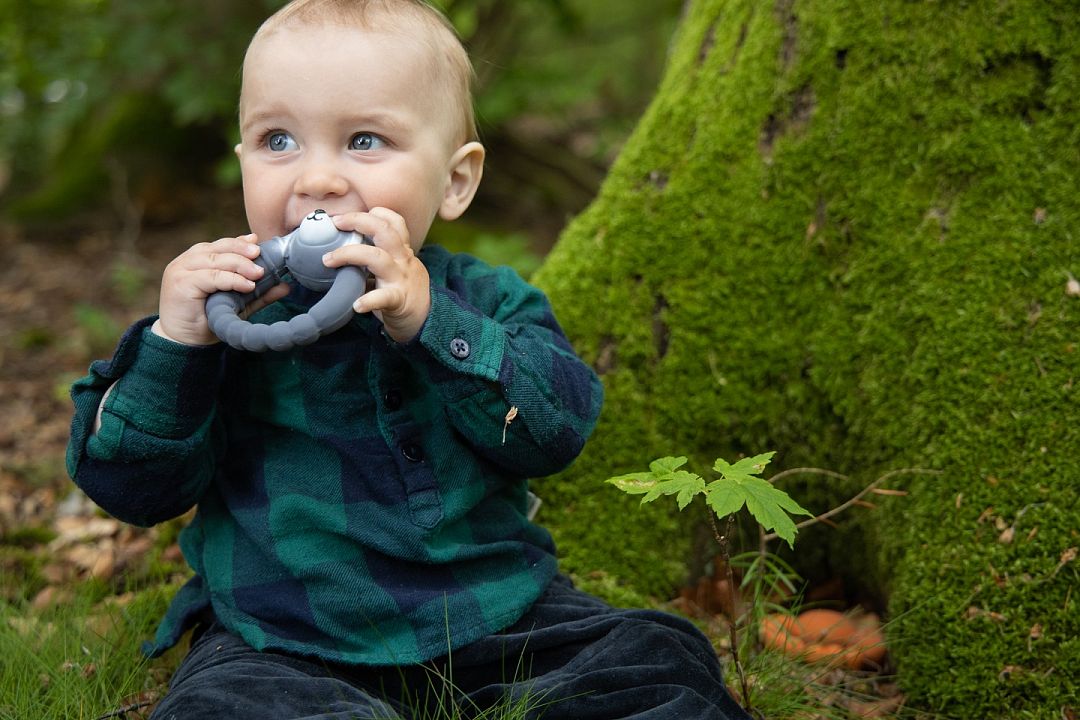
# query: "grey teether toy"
(300, 253)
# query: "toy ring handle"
(326, 316)
(299, 252)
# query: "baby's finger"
(377, 260)
(234, 264)
(359, 254)
(379, 299)
(214, 259)
(211, 280)
(394, 220)
(246, 245)
(381, 228)
(270, 296)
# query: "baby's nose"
(319, 180)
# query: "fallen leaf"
(173, 554)
(974, 612)
(1035, 633)
(876, 709)
(1008, 671)
(1066, 557)
(74, 529)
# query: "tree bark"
(845, 231)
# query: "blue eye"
(365, 141)
(280, 142)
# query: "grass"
(441, 700)
(81, 659)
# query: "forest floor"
(64, 300)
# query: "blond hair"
(451, 66)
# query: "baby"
(362, 546)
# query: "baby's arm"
(141, 436)
(512, 385)
(141, 444)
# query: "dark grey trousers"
(570, 657)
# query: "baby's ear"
(466, 168)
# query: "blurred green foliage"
(99, 97)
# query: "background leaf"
(635, 483)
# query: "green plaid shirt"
(358, 500)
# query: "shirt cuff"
(169, 389)
(457, 339)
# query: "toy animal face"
(317, 229)
(307, 244)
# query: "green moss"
(842, 231)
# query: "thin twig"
(807, 471)
(120, 712)
(844, 506)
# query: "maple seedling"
(738, 485)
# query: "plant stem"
(725, 553)
(852, 501)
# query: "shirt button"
(459, 348)
(392, 399)
(412, 452)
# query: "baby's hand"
(401, 298)
(205, 268)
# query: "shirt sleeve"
(512, 384)
(152, 456)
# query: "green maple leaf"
(739, 484)
(681, 483)
(634, 483)
(666, 465)
(640, 483)
(745, 468)
(724, 497)
(663, 478)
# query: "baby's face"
(342, 119)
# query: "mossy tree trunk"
(844, 231)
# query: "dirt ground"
(65, 296)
